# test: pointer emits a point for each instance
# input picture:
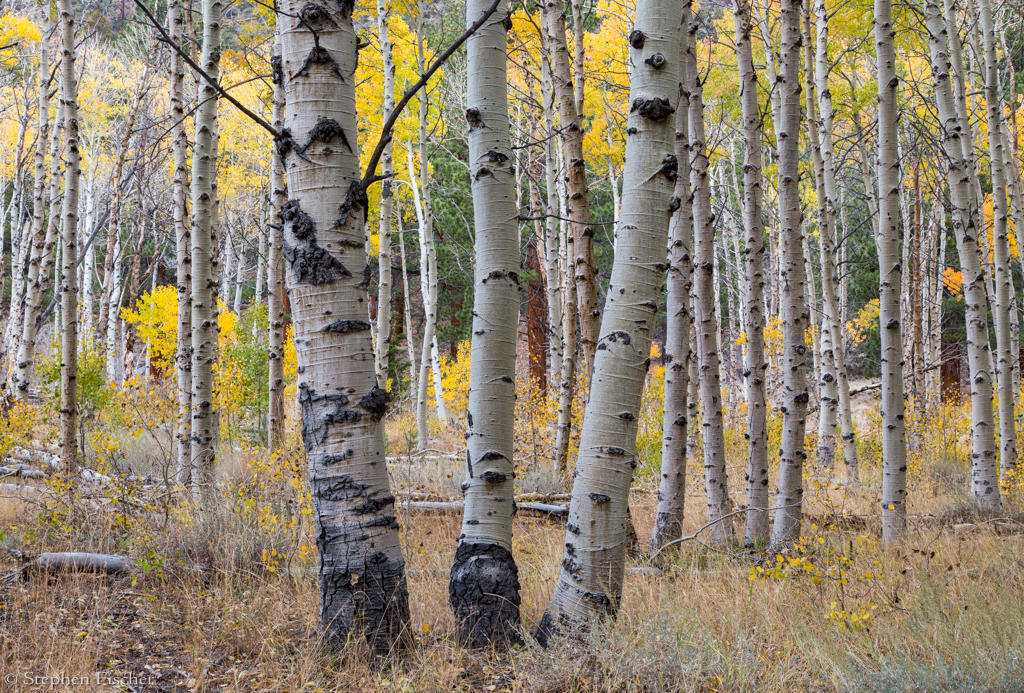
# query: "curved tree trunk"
(894, 451)
(69, 242)
(755, 365)
(590, 582)
(794, 312)
(484, 585)
(362, 574)
(984, 475)
(668, 518)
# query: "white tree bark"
(828, 377)
(705, 319)
(578, 207)
(755, 365)
(484, 586)
(275, 272)
(182, 251)
(42, 240)
(362, 574)
(984, 476)
(410, 343)
(383, 342)
(794, 312)
(552, 236)
(428, 292)
(204, 298)
(888, 174)
(69, 237)
(88, 331)
(668, 518)
(590, 582)
(1006, 356)
(567, 377)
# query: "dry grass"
(948, 609)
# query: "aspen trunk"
(112, 345)
(1004, 291)
(204, 299)
(362, 574)
(88, 267)
(705, 319)
(755, 364)
(275, 272)
(484, 586)
(984, 476)
(111, 273)
(261, 265)
(831, 289)
(183, 248)
(236, 305)
(590, 582)
(41, 240)
(552, 237)
(69, 242)
(568, 375)
(794, 312)
(425, 211)
(828, 379)
(894, 451)
(668, 518)
(383, 344)
(571, 134)
(410, 343)
(428, 293)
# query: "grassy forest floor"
(228, 599)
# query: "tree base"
(484, 594)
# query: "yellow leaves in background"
(953, 280)
(16, 427)
(156, 319)
(370, 99)
(18, 36)
(867, 317)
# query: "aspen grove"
(473, 345)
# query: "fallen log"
(22, 470)
(73, 561)
(454, 507)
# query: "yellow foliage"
(16, 426)
(156, 320)
(953, 280)
(867, 317)
(17, 36)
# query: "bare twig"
(693, 537)
(202, 73)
